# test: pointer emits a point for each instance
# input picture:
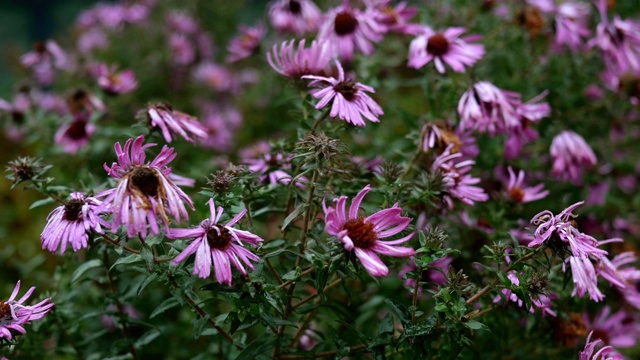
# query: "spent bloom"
(444, 47)
(272, 167)
(217, 245)
(242, 46)
(295, 16)
(350, 101)
(521, 194)
(570, 154)
(172, 121)
(145, 190)
(347, 28)
(456, 178)
(14, 314)
(362, 235)
(70, 224)
(295, 62)
(487, 108)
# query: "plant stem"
(415, 300)
(322, 116)
(322, 354)
(309, 298)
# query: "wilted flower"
(295, 63)
(27, 169)
(14, 314)
(71, 224)
(346, 29)
(458, 183)
(362, 235)
(295, 16)
(350, 102)
(145, 190)
(521, 194)
(570, 154)
(486, 108)
(242, 46)
(572, 24)
(217, 245)
(173, 121)
(445, 47)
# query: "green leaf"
(474, 325)
(259, 346)
(148, 280)
(166, 305)
(386, 326)
(148, 337)
(133, 258)
(424, 327)
(294, 214)
(41, 202)
(198, 325)
(91, 264)
(147, 255)
(400, 310)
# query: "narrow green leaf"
(294, 214)
(41, 202)
(133, 258)
(91, 264)
(148, 280)
(259, 346)
(198, 325)
(166, 305)
(147, 338)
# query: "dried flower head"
(27, 169)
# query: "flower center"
(516, 194)
(295, 7)
(73, 209)
(5, 310)
(345, 23)
(220, 240)
(145, 179)
(77, 130)
(437, 45)
(347, 88)
(361, 233)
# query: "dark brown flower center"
(437, 45)
(345, 23)
(516, 194)
(220, 240)
(145, 179)
(295, 7)
(73, 209)
(17, 116)
(361, 233)
(5, 310)
(77, 130)
(347, 88)
(39, 47)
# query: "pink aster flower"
(114, 82)
(605, 353)
(295, 16)
(572, 24)
(445, 47)
(14, 314)
(362, 235)
(396, 19)
(272, 167)
(74, 135)
(347, 28)
(244, 45)
(570, 154)
(173, 121)
(486, 108)
(182, 49)
(145, 190)
(42, 60)
(457, 182)
(431, 275)
(71, 224)
(216, 77)
(540, 301)
(350, 102)
(521, 194)
(620, 329)
(295, 62)
(217, 245)
(221, 123)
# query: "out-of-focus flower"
(308, 340)
(572, 24)
(82, 104)
(428, 275)
(570, 154)
(444, 47)
(216, 77)
(521, 194)
(172, 121)
(182, 23)
(42, 60)
(350, 102)
(458, 183)
(486, 108)
(217, 245)
(271, 166)
(362, 235)
(295, 16)
(108, 320)
(74, 135)
(605, 353)
(220, 124)
(145, 190)
(14, 314)
(16, 111)
(91, 39)
(540, 301)
(244, 45)
(346, 28)
(295, 63)
(620, 329)
(396, 19)
(114, 82)
(183, 51)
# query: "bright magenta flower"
(14, 314)
(217, 245)
(445, 47)
(362, 234)
(173, 121)
(521, 194)
(295, 62)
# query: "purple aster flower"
(182, 49)
(396, 19)
(273, 167)
(71, 224)
(244, 45)
(145, 190)
(114, 82)
(220, 124)
(350, 102)
(458, 183)
(82, 104)
(14, 314)
(346, 28)
(430, 275)
(620, 329)
(173, 121)
(362, 235)
(445, 47)
(217, 245)
(181, 23)
(570, 154)
(42, 60)
(295, 16)
(91, 39)
(521, 194)
(294, 63)
(540, 301)
(605, 353)
(486, 108)
(572, 24)
(216, 77)
(74, 135)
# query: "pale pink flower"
(43, 59)
(244, 45)
(272, 167)
(172, 121)
(350, 101)
(572, 24)
(486, 108)
(217, 245)
(295, 62)
(362, 235)
(571, 154)
(182, 49)
(396, 19)
(115, 82)
(295, 16)
(14, 314)
(444, 47)
(521, 194)
(216, 77)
